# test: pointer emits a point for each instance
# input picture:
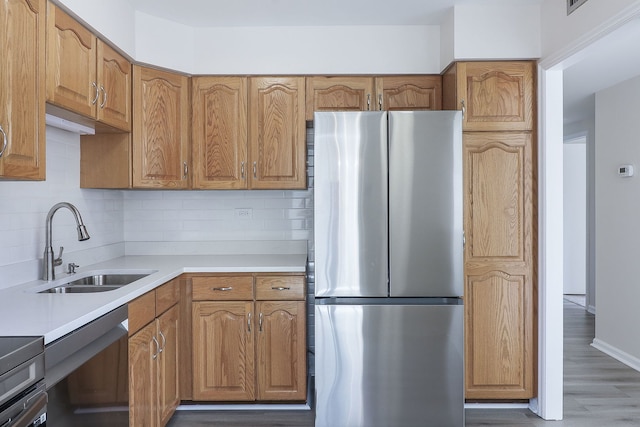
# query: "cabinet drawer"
(216, 288)
(167, 296)
(280, 288)
(142, 311)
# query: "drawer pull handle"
(260, 323)
(155, 341)
(280, 288)
(249, 322)
(223, 289)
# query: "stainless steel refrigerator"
(388, 269)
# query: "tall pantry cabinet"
(22, 89)
(497, 100)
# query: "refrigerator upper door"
(350, 204)
(425, 204)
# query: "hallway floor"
(599, 391)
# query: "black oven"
(23, 398)
(87, 375)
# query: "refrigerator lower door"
(389, 365)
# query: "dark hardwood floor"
(599, 391)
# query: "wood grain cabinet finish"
(251, 348)
(498, 102)
(219, 134)
(160, 129)
(277, 133)
(84, 75)
(153, 356)
(499, 269)
(339, 93)
(22, 94)
(494, 96)
(368, 93)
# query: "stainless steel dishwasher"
(87, 375)
(23, 400)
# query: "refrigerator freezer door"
(425, 204)
(389, 365)
(350, 204)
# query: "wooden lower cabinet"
(153, 359)
(248, 350)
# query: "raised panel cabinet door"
(223, 351)
(277, 130)
(160, 129)
(143, 377)
(409, 93)
(499, 336)
(168, 362)
(219, 134)
(22, 93)
(498, 197)
(282, 363)
(496, 95)
(339, 93)
(71, 64)
(114, 85)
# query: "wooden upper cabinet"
(339, 93)
(398, 93)
(161, 129)
(22, 82)
(84, 75)
(493, 95)
(277, 131)
(71, 64)
(219, 132)
(114, 84)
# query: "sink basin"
(95, 283)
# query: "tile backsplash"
(118, 219)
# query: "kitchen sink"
(94, 283)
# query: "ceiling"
(605, 63)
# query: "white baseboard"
(626, 358)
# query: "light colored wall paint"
(495, 29)
(318, 50)
(447, 39)
(575, 217)
(617, 212)
(166, 44)
(560, 31)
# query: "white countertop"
(23, 311)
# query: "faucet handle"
(58, 261)
(71, 268)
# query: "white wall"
(495, 29)
(24, 207)
(575, 216)
(560, 31)
(617, 220)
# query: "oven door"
(26, 410)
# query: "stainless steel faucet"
(49, 261)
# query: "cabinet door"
(22, 82)
(339, 93)
(398, 93)
(160, 129)
(277, 131)
(114, 81)
(168, 382)
(496, 95)
(143, 377)
(223, 351)
(499, 279)
(219, 138)
(282, 362)
(71, 64)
